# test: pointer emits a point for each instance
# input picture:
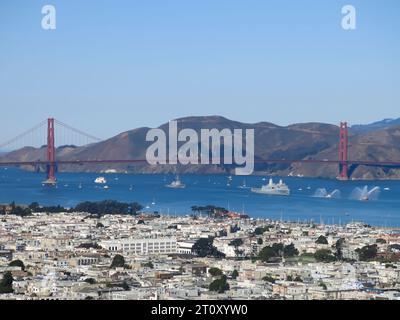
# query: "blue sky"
(115, 65)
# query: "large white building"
(186, 247)
(144, 246)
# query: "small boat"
(105, 187)
(386, 189)
(176, 184)
(100, 180)
(243, 185)
(130, 188)
(80, 186)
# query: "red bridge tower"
(51, 155)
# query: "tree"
(298, 279)
(260, 230)
(339, 248)
(269, 278)
(118, 261)
(135, 208)
(260, 241)
(90, 280)
(215, 272)
(149, 265)
(195, 209)
(99, 225)
(34, 206)
(125, 286)
(6, 283)
(204, 247)
(380, 240)
(323, 285)
(277, 250)
(223, 233)
(368, 252)
(236, 242)
(219, 285)
(89, 245)
(108, 207)
(324, 255)
(234, 274)
(290, 251)
(19, 211)
(322, 240)
(266, 254)
(17, 263)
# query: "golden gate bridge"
(345, 166)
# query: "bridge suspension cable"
(28, 133)
(37, 137)
(82, 137)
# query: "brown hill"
(297, 141)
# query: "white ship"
(278, 189)
(176, 184)
(100, 180)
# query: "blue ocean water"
(149, 190)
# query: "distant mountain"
(296, 141)
(375, 126)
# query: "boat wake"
(323, 193)
(364, 194)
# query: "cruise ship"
(176, 184)
(278, 189)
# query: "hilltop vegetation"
(98, 208)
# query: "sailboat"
(243, 185)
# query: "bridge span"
(346, 167)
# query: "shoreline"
(255, 174)
(160, 215)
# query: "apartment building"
(146, 246)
